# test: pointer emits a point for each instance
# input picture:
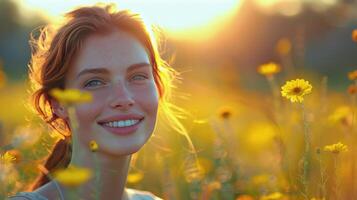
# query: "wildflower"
(93, 145)
(354, 35)
(269, 69)
(336, 148)
(295, 90)
(135, 177)
(73, 176)
(7, 158)
(352, 89)
(352, 75)
(272, 196)
(342, 114)
(225, 112)
(71, 96)
(16, 155)
(283, 46)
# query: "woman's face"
(116, 69)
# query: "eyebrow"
(106, 71)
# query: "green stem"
(275, 91)
(353, 108)
(322, 178)
(352, 132)
(97, 176)
(72, 193)
(306, 162)
(337, 184)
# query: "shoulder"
(27, 196)
(44, 192)
(141, 195)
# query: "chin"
(122, 150)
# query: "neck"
(109, 175)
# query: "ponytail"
(59, 158)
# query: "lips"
(122, 131)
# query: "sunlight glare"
(174, 16)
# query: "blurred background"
(248, 147)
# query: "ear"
(58, 109)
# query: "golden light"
(179, 17)
(293, 7)
(284, 7)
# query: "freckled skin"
(117, 93)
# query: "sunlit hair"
(56, 47)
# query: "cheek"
(87, 113)
(148, 100)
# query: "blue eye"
(139, 77)
(93, 83)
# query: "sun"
(175, 16)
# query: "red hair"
(55, 50)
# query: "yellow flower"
(342, 114)
(272, 196)
(225, 112)
(16, 155)
(73, 176)
(336, 148)
(71, 96)
(283, 46)
(93, 145)
(352, 75)
(354, 35)
(295, 90)
(135, 177)
(7, 158)
(269, 69)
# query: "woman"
(111, 55)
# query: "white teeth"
(123, 123)
(127, 123)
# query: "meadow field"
(279, 131)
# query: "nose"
(121, 97)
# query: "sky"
(180, 17)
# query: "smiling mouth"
(121, 123)
(122, 127)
